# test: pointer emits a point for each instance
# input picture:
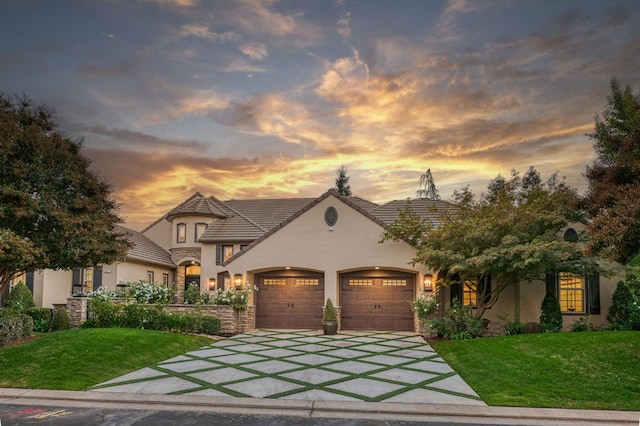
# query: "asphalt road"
(12, 415)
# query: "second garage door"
(377, 300)
(289, 299)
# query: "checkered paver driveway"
(307, 365)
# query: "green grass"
(590, 370)
(77, 359)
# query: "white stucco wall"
(160, 233)
(132, 271)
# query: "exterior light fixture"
(428, 282)
(212, 284)
(237, 280)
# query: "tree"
(342, 182)
(426, 187)
(54, 212)
(509, 235)
(611, 201)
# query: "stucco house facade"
(294, 254)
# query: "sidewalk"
(392, 412)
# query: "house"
(145, 260)
(293, 254)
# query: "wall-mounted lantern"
(237, 281)
(212, 284)
(428, 282)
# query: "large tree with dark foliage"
(508, 235)
(54, 212)
(612, 201)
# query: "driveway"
(307, 365)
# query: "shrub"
(145, 292)
(622, 307)
(137, 315)
(102, 293)
(329, 313)
(458, 323)
(425, 306)
(551, 316)
(61, 320)
(104, 313)
(237, 299)
(192, 294)
(41, 319)
(20, 298)
(14, 326)
(581, 324)
(513, 326)
(209, 325)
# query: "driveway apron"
(307, 365)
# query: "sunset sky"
(267, 99)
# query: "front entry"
(377, 300)
(289, 299)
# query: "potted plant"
(329, 318)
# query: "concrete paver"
(307, 365)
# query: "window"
(576, 293)
(165, 279)
(150, 277)
(331, 216)
(200, 228)
(394, 283)
(363, 282)
(227, 252)
(470, 294)
(182, 232)
(88, 280)
(572, 289)
(571, 235)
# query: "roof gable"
(332, 192)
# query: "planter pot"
(330, 327)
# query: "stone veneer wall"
(177, 256)
(232, 321)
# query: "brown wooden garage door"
(377, 300)
(289, 299)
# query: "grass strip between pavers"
(263, 340)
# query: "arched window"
(571, 235)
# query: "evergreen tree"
(426, 187)
(342, 182)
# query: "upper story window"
(571, 235)
(182, 232)
(150, 277)
(200, 228)
(227, 252)
(165, 279)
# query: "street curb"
(330, 409)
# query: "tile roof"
(198, 205)
(430, 209)
(268, 213)
(145, 250)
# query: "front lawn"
(78, 359)
(589, 370)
